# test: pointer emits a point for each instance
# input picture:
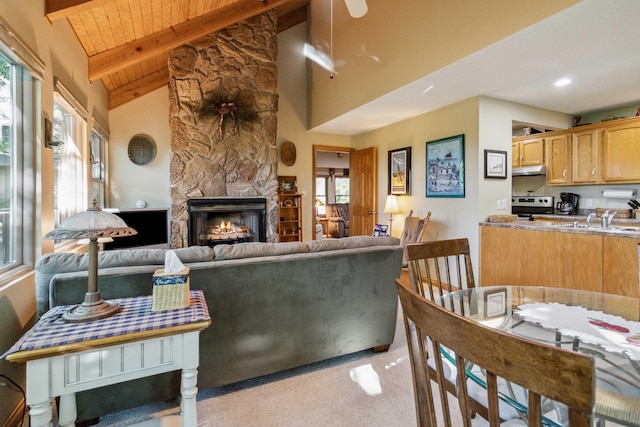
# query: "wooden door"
(621, 152)
(515, 154)
(363, 189)
(532, 152)
(585, 156)
(558, 159)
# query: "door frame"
(316, 148)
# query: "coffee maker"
(568, 204)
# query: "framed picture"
(399, 171)
(495, 303)
(495, 164)
(445, 167)
(287, 184)
(380, 230)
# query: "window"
(70, 170)
(18, 95)
(342, 190)
(97, 160)
(321, 194)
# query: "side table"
(65, 358)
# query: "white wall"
(292, 120)
(129, 182)
(450, 217)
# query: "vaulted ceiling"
(127, 42)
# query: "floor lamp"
(391, 207)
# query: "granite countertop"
(623, 227)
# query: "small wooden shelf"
(290, 217)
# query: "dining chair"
(543, 370)
(412, 232)
(440, 264)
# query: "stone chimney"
(223, 106)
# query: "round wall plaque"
(288, 153)
(142, 149)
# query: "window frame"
(80, 141)
(26, 70)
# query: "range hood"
(529, 170)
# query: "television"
(151, 224)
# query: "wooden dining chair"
(440, 264)
(412, 232)
(543, 370)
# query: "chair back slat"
(559, 374)
(431, 264)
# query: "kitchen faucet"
(607, 218)
(590, 219)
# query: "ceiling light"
(428, 89)
(563, 82)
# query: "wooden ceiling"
(128, 41)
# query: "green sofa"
(273, 306)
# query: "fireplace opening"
(214, 221)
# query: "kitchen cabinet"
(602, 153)
(526, 257)
(621, 151)
(527, 151)
(585, 144)
(558, 146)
(290, 217)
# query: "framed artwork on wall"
(399, 171)
(445, 167)
(495, 164)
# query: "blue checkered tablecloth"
(135, 316)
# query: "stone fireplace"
(223, 106)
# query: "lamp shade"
(319, 202)
(92, 223)
(391, 205)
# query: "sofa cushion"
(351, 243)
(195, 254)
(257, 249)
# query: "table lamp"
(391, 207)
(92, 224)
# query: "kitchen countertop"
(623, 227)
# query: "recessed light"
(563, 82)
(428, 89)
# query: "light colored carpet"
(362, 389)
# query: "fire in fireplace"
(213, 221)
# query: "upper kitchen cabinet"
(527, 151)
(558, 148)
(621, 151)
(584, 144)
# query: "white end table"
(66, 358)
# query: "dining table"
(601, 325)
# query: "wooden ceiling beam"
(105, 63)
(137, 88)
(58, 9)
(291, 19)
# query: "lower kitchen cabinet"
(592, 262)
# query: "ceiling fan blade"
(357, 8)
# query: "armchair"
(337, 220)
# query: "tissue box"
(170, 290)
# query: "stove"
(525, 206)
